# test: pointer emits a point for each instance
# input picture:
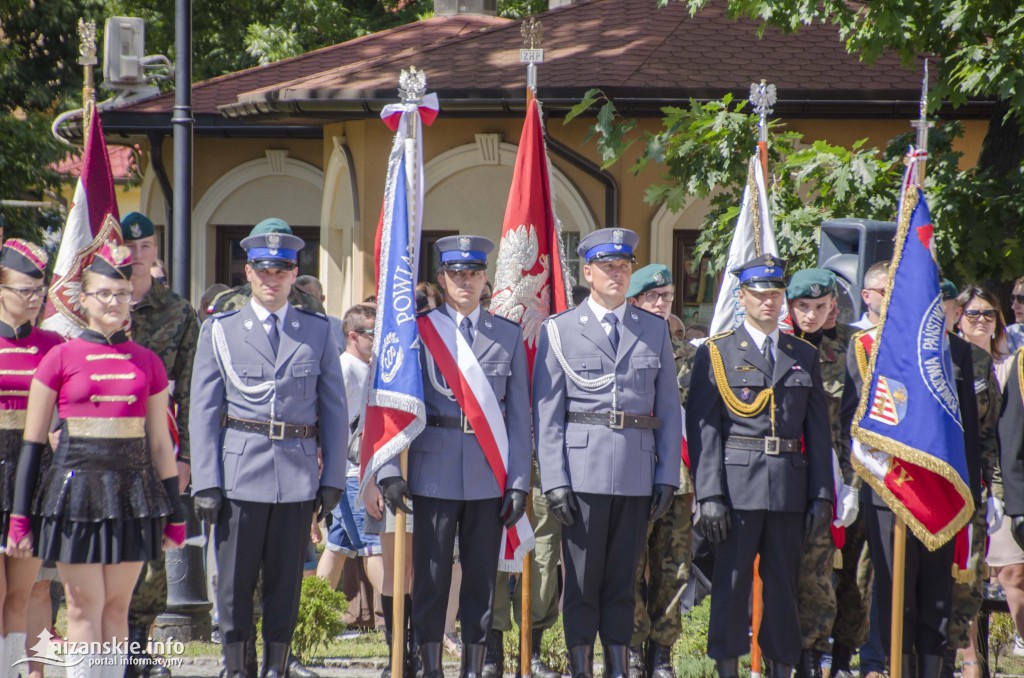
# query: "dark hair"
(972, 292)
(356, 317)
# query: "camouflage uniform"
(237, 297)
(967, 596)
(659, 616)
(167, 325)
(816, 594)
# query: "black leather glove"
(513, 507)
(714, 515)
(206, 504)
(1017, 530)
(326, 499)
(562, 503)
(819, 515)
(395, 491)
(661, 500)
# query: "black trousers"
(478, 526)
(601, 550)
(928, 588)
(778, 537)
(250, 536)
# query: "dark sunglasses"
(368, 333)
(974, 314)
(1017, 299)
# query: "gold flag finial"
(532, 32)
(87, 59)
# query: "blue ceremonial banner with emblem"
(908, 421)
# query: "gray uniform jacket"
(309, 390)
(446, 463)
(751, 480)
(594, 458)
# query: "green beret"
(136, 226)
(949, 290)
(271, 225)
(811, 283)
(647, 278)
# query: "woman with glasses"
(22, 347)
(110, 499)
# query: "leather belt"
(450, 422)
(614, 419)
(275, 430)
(770, 445)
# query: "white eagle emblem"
(520, 296)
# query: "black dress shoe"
(297, 670)
(275, 660)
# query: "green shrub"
(320, 610)
(1000, 635)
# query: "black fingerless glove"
(177, 507)
(26, 477)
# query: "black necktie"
(613, 334)
(766, 351)
(467, 330)
(273, 334)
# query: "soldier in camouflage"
(657, 619)
(812, 300)
(237, 297)
(166, 324)
(968, 585)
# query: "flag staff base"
(398, 588)
(525, 591)
(899, 570)
(757, 612)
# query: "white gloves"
(993, 514)
(848, 506)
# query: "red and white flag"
(530, 281)
(92, 221)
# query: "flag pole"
(899, 551)
(531, 54)
(87, 59)
(763, 97)
(412, 86)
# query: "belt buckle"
(772, 445)
(466, 426)
(616, 420)
(273, 434)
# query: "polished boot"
(538, 669)
(581, 661)
(929, 666)
(728, 668)
(140, 663)
(473, 660)
(841, 656)
(430, 659)
(234, 660)
(637, 664)
(810, 665)
(780, 670)
(297, 670)
(275, 660)
(387, 611)
(494, 660)
(412, 655)
(660, 661)
(616, 661)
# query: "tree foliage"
(704, 148)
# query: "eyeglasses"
(877, 290)
(652, 296)
(975, 315)
(27, 293)
(1017, 299)
(368, 333)
(106, 296)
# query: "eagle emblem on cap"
(815, 290)
(659, 278)
(617, 236)
(136, 231)
(273, 242)
(464, 243)
(768, 261)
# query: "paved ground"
(341, 668)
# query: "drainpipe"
(156, 156)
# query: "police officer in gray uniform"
(454, 489)
(608, 429)
(760, 441)
(266, 387)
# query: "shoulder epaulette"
(504, 319)
(225, 314)
(720, 335)
(309, 311)
(637, 308)
(801, 339)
